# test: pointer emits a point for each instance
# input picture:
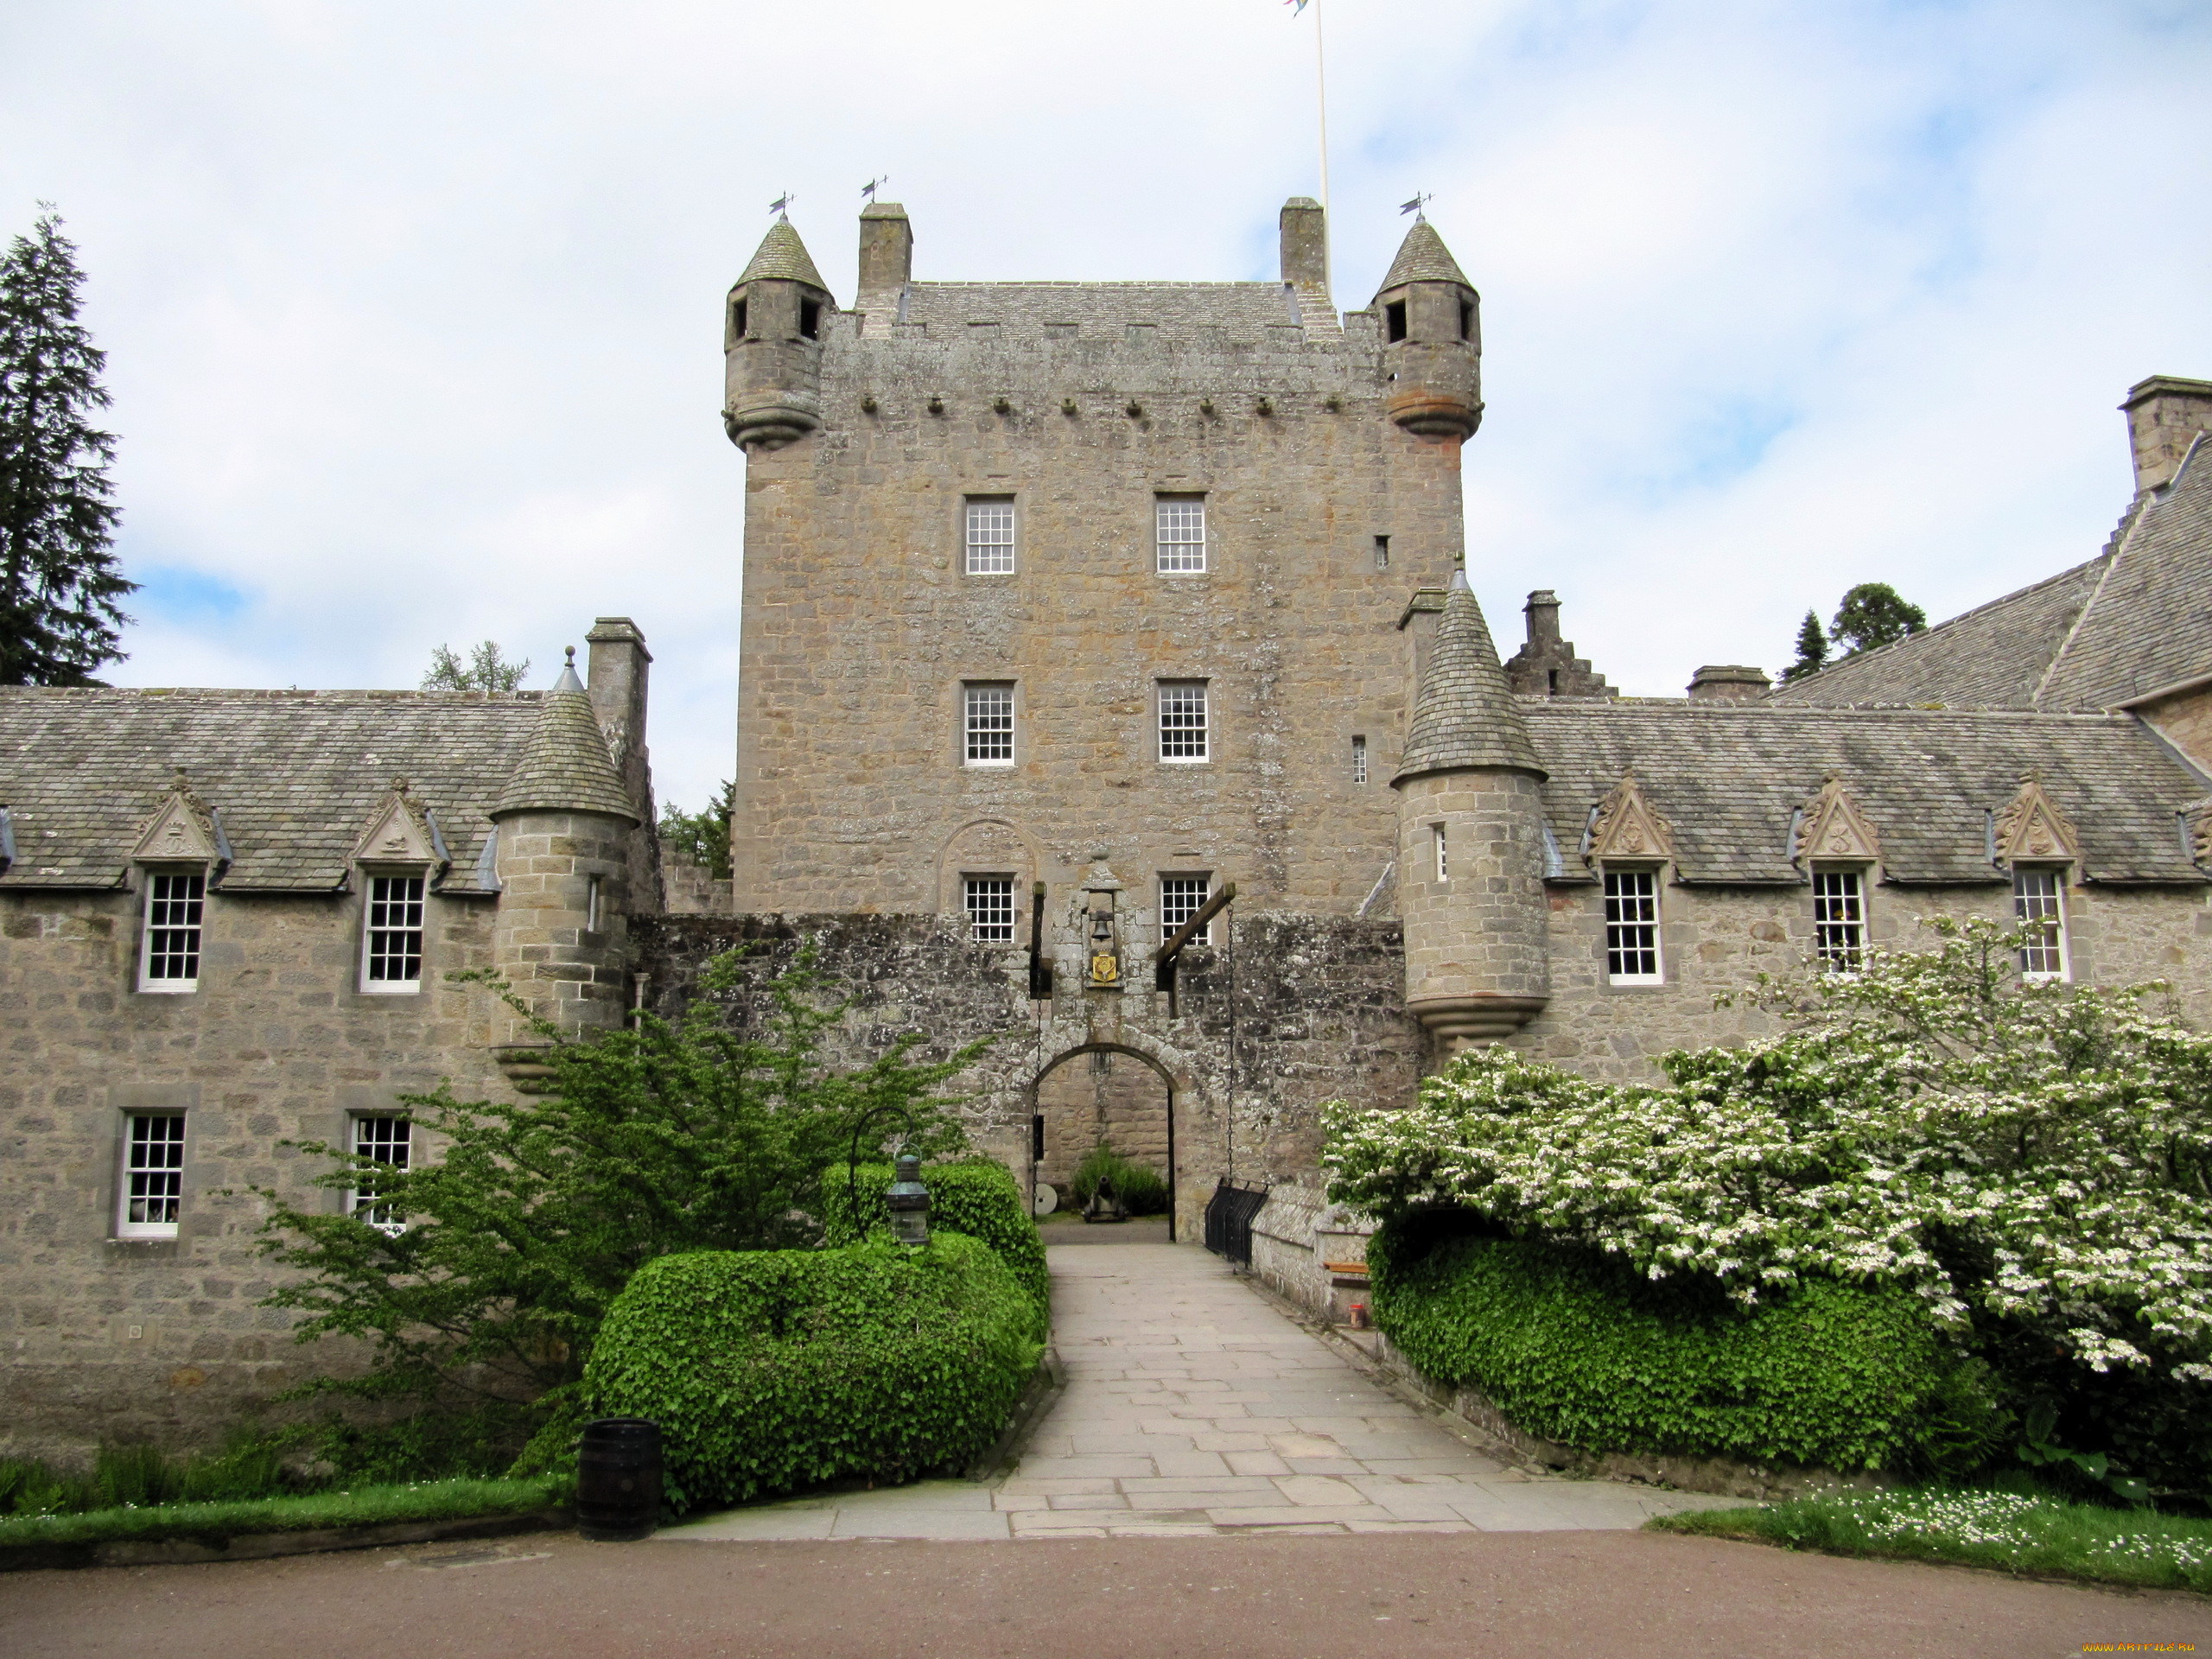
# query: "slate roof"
(293, 777)
(1422, 258)
(781, 254)
(1992, 656)
(564, 766)
(2149, 626)
(1729, 777)
(1464, 715)
(1243, 310)
(2135, 619)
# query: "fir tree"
(59, 581)
(485, 671)
(1812, 650)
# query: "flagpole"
(1321, 107)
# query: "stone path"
(1193, 1407)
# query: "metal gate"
(1229, 1214)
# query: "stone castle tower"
(1162, 535)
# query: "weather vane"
(781, 205)
(1415, 205)
(868, 189)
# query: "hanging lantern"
(908, 1200)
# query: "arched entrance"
(1103, 1092)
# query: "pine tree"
(1812, 650)
(485, 671)
(59, 581)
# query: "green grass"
(2014, 1531)
(363, 1506)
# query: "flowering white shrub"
(2037, 1155)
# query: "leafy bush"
(976, 1196)
(769, 1370)
(1138, 1185)
(1577, 1348)
(138, 1475)
(671, 1137)
(2033, 1163)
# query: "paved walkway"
(1194, 1407)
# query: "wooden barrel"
(618, 1479)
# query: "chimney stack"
(1729, 683)
(1306, 246)
(887, 255)
(2164, 415)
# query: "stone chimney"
(1729, 683)
(2164, 415)
(887, 256)
(1547, 666)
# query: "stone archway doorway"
(1104, 1091)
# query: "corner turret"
(1432, 339)
(772, 344)
(1470, 843)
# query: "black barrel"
(618, 1479)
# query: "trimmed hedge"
(770, 1370)
(977, 1197)
(1576, 1349)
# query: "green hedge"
(1576, 1349)
(770, 1370)
(977, 1197)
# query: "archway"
(1103, 1092)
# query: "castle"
(1068, 608)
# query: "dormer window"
(1839, 921)
(2039, 907)
(1394, 320)
(169, 950)
(810, 319)
(1633, 927)
(391, 935)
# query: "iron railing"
(1230, 1215)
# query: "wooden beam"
(1207, 911)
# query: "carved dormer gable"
(1629, 828)
(2032, 827)
(181, 830)
(1831, 826)
(399, 833)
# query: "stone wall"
(1317, 1015)
(102, 1337)
(861, 623)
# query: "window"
(1180, 521)
(1183, 721)
(737, 320)
(1381, 552)
(152, 1175)
(592, 923)
(2039, 903)
(989, 726)
(809, 318)
(392, 942)
(1359, 759)
(1443, 855)
(1394, 316)
(389, 1141)
(1466, 320)
(990, 908)
(1839, 921)
(1632, 926)
(990, 535)
(1182, 897)
(174, 903)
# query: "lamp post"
(908, 1200)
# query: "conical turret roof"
(1422, 258)
(565, 766)
(782, 254)
(1463, 714)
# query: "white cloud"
(413, 310)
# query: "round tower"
(1432, 339)
(1470, 843)
(773, 328)
(565, 822)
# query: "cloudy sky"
(412, 309)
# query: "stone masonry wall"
(861, 624)
(1318, 1007)
(161, 1339)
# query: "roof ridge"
(2122, 539)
